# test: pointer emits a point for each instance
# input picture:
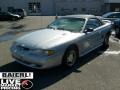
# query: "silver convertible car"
(62, 42)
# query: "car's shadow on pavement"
(46, 78)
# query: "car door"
(92, 39)
(4, 16)
(7, 16)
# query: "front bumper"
(38, 62)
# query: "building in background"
(112, 5)
(79, 6)
(61, 7)
(32, 7)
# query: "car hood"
(46, 38)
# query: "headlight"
(43, 52)
(49, 52)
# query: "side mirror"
(88, 30)
(56, 17)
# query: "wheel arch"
(71, 46)
(108, 33)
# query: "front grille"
(18, 58)
(27, 63)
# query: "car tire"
(14, 19)
(22, 17)
(106, 41)
(117, 33)
(70, 57)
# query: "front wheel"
(70, 57)
(14, 18)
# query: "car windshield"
(68, 24)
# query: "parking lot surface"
(98, 70)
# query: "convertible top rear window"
(68, 24)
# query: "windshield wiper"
(50, 27)
(60, 28)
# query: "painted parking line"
(112, 52)
(114, 40)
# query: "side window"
(117, 15)
(93, 23)
(111, 16)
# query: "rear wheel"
(117, 33)
(106, 41)
(70, 57)
(22, 17)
